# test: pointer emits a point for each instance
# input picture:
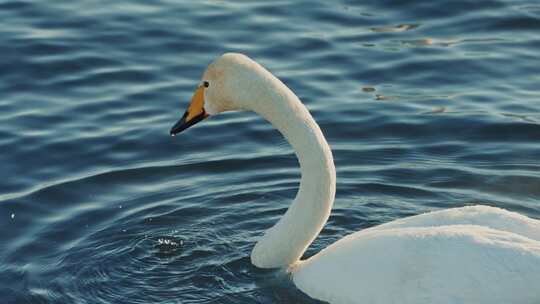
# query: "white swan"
(473, 254)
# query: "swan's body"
(473, 254)
(465, 255)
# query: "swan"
(473, 254)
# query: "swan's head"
(229, 83)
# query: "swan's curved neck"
(284, 243)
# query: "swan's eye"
(206, 84)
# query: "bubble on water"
(167, 242)
(168, 245)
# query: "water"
(427, 105)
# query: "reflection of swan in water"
(465, 255)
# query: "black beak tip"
(181, 125)
(178, 127)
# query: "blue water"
(426, 104)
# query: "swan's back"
(458, 254)
(492, 217)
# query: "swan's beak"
(194, 113)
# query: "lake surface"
(426, 104)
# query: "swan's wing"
(492, 217)
(444, 264)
